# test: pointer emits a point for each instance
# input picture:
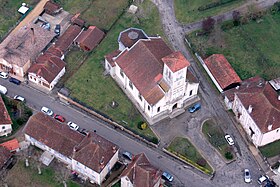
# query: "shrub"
(154, 140)
(143, 126)
(227, 25)
(208, 24)
(214, 4)
(228, 155)
(202, 162)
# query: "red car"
(59, 118)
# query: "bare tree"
(208, 24)
(236, 17)
(63, 174)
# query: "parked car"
(59, 118)
(262, 179)
(83, 131)
(127, 155)
(19, 98)
(194, 108)
(3, 89)
(73, 126)
(229, 139)
(14, 80)
(47, 111)
(4, 75)
(247, 176)
(57, 29)
(167, 176)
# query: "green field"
(252, 49)
(271, 150)
(90, 86)
(101, 13)
(9, 14)
(187, 11)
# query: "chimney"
(101, 162)
(250, 109)
(279, 97)
(33, 35)
(114, 149)
(269, 127)
(237, 87)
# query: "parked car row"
(5, 75)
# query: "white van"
(3, 89)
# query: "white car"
(247, 176)
(47, 111)
(19, 98)
(4, 75)
(229, 139)
(73, 126)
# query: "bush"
(202, 162)
(143, 126)
(227, 25)
(228, 155)
(154, 140)
(214, 4)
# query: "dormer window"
(131, 85)
(121, 72)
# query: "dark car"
(167, 176)
(59, 118)
(14, 80)
(57, 29)
(194, 108)
(127, 155)
(83, 131)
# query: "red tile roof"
(95, 152)
(130, 36)
(90, 38)
(109, 57)
(5, 155)
(222, 70)
(4, 115)
(52, 133)
(11, 145)
(65, 41)
(51, 7)
(47, 66)
(176, 61)
(55, 51)
(142, 63)
(76, 20)
(262, 98)
(141, 173)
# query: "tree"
(236, 17)
(208, 24)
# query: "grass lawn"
(10, 15)
(187, 11)
(215, 136)
(271, 149)
(20, 175)
(90, 86)
(101, 13)
(251, 49)
(183, 147)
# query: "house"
(11, 145)
(91, 156)
(256, 106)
(47, 71)
(52, 8)
(5, 120)
(90, 38)
(153, 76)
(5, 158)
(221, 72)
(18, 50)
(65, 41)
(140, 173)
(76, 20)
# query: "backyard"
(187, 11)
(215, 136)
(184, 149)
(271, 150)
(250, 48)
(9, 14)
(92, 88)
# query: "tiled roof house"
(151, 74)
(5, 158)
(91, 156)
(5, 120)
(257, 107)
(140, 173)
(52, 8)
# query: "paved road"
(36, 99)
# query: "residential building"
(11, 145)
(52, 8)
(221, 72)
(154, 77)
(5, 120)
(5, 158)
(89, 38)
(19, 50)
(91, 156)
(76, 20)
(140, 173)
(47, 71)
(256, 106)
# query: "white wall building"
(5, 119)
(257, 107)
(155, 78)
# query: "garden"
(184, 149)
(215, 136)
(270, 150)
